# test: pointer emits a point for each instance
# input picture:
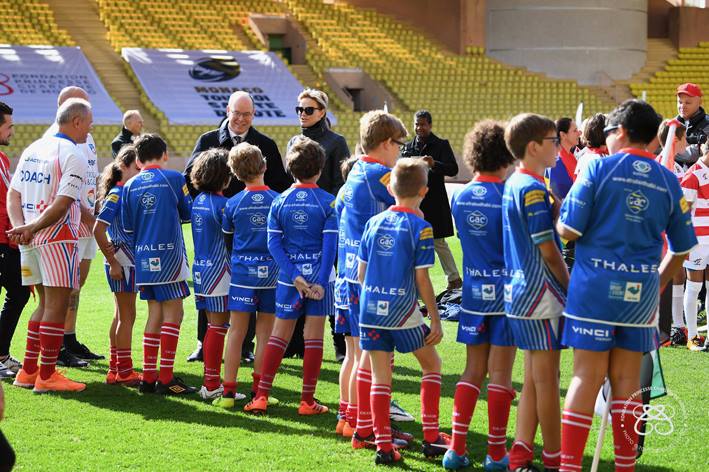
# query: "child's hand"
(115, 271)
(302, 286)
(317, 292)
(436, 334)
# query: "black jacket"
(123, 138)
(275, 177)
(435, 205)
(336, 151)
(697, 131)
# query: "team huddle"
(363, 257)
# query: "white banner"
(32, 76)
(193, 87)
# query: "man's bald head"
(71, 91)
(238, 99)
(133, 121)
(240, 112)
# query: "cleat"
(133, 379)
(146, 387)
(206, 394)
(314, 408)
(176, 386)
(348, 431)
(196, 355)
(272, 401)
(340, 427)
(438, 447)
(12, 364)
(25, 380)
(695, 344)
(491, 465)
(83, 352)
(358, 442)
(224, 402)
(5, 372)
(57, 382)
(387, 458)
(248, 358)
(452, 461)
(257, 406)
(678, 336)
(67, 359)
(526, 468)
(396, 413)
(399, 434)
(111, 378)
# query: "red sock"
(499, 400)
(430, 396)
(342, 411)
(113, 360)
(391, 362)
(151, 346)
(51, 338)
(213, 352)
(352, 415)
(169, 335)
(29, 364)
(466, 395)
(254, 384)
(124, 362)
(520, 455)
(551, 459)
(364, 414)
(312, 361)
(381, 400)
(272, 357)
(229, 389)
(625, 439)
(574, 434)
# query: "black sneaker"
(146, 387)
(387, 458)
(175, 387)
(83, 352)
(196, 355)
(437, 447)
(526, 468)
(67, 359)
(678, 336)
(248, 358)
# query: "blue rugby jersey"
(246, 216)
(210, 268)
(111, 216)
(477, 211)
(302, 234)
(341, 297)
(155, 203)
(527, 221)
(365, 195)
(395, 243)
(619, 207)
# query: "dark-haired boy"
(156, 202)
(536, 290)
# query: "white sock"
(690, 307)
(678, 306)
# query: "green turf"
(114, 428)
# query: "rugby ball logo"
(385, 242)
(215, 69)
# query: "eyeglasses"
(307, 110)
(246, 114)
(400, 143)
(610, 129)
(554, 140)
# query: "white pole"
(601, 433)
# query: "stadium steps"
(81, 19)
(659, 52)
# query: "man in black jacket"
(132, 127)
(437, 153)
(692, 115)
(235, 129)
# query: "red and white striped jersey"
(695, 186)
(48, 168)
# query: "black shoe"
(196, 355)
(339, 357)
(386, 458)
(526, 468)
(437, 447)
(83, 352)
(678, 336)
(67, 359)
(248, 358)
(146, 387)
(175, 387)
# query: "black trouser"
(7, 455)
(247, 346)
(665, 322)
(16, 296)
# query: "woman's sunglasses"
(307, 110)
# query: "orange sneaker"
(340, 427)
(257, 406)
(131, 380)
(111, 378)
(57, 383)
(314, 408)
(348, 431)
(25, 380)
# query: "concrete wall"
(263, 25)
(591, 41)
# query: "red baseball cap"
(693, 90)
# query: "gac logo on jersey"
(154, 264)
(301, 195)
(35, 177)
(300, 217)
(477, 219)
(479, 191)
(637, 202)
(257, 197)
(386, 242)
(148, 200)
(197, 220)
(597, 333)
(633, 291)
(642, 166)
(488, 291)
(258, 219)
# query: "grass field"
(115, 428)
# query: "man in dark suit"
(132, 127)
(235, 129)
(437, 153)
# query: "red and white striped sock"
(169, 335)
(51, 338)
(574, 434)
(113, 360)
(430, 397)
(381, 400)
(30, 364)
(213, 351)
(499, 401)
(229, 389)
(151, 347)
(464, 400)
(352, 415)
(551, 459)
(255, 379)
(272, 357)
(124, 362)
(312, 361)
(342, 410)
(625, 438)
(364, 414)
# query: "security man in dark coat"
(235, 129)
(435, 206)
(132, 127)
(692, 115)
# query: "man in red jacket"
(16, 295)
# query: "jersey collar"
(151, 167)
(120, 184)
(257, 188)
(64, 136)
(402, 209)
(487, 178)
(637, 152)
(529, 172)
(372, 160)
(305, 185)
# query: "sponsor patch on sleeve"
(426, 233)
(533, 197)
(113, 198)
(184, 189)
(683, 205)
(385, 178)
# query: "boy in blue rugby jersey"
(155, 204)
(536, 290)
(395, 254)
